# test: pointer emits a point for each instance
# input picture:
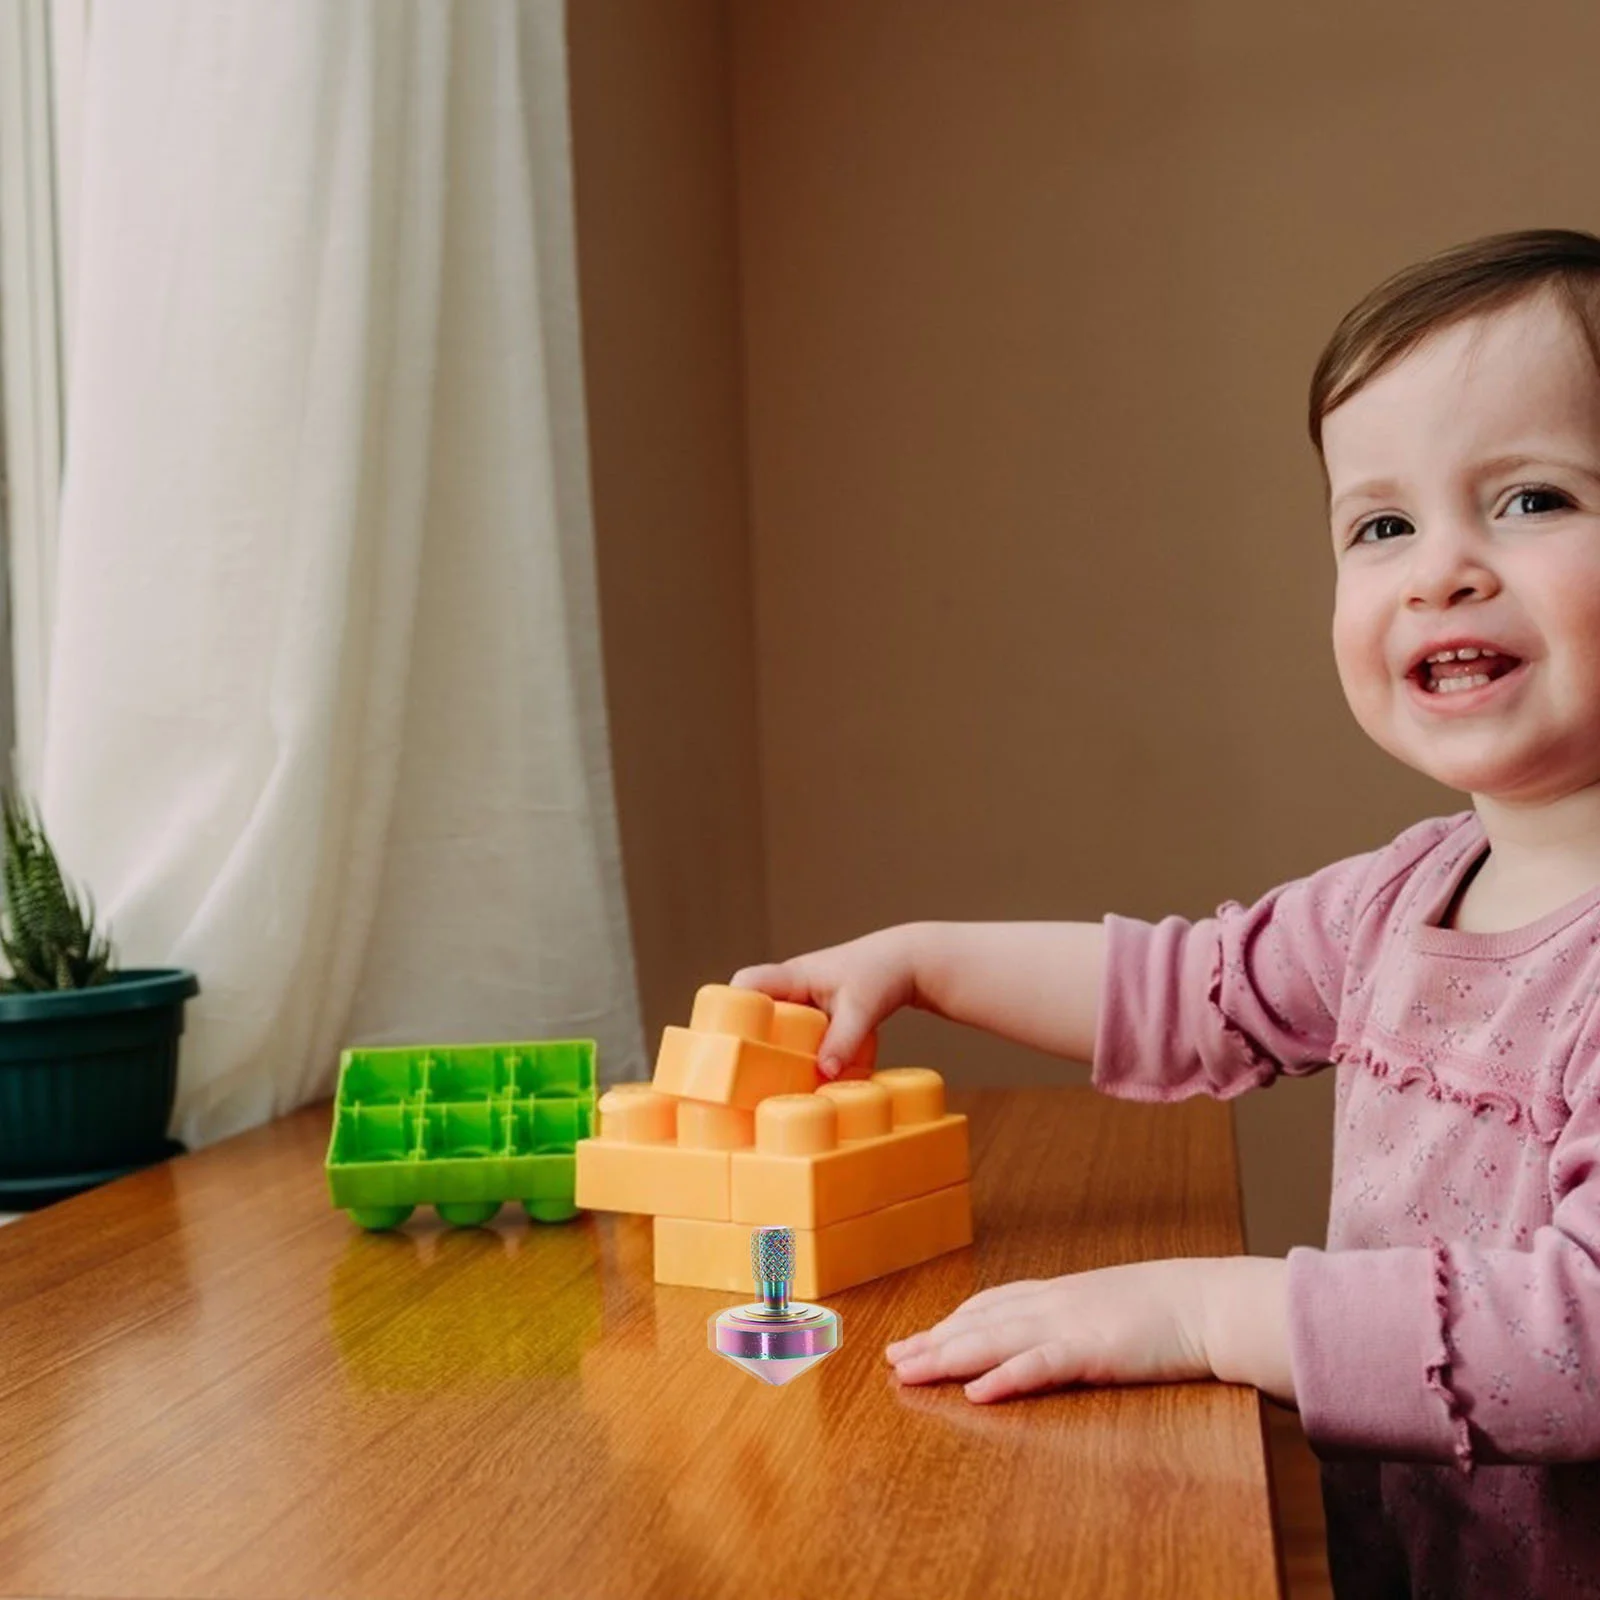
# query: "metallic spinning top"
(775, 1338)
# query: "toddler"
(1442, 1351)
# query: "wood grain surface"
(214, 1387)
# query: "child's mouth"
(1465, 685)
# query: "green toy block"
(461, 1128)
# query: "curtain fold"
(326, 719)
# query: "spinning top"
(775, 1338)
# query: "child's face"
(1465, 504)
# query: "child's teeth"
(1455, 685)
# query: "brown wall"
(1029, 295)
(658, 281)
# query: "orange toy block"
(654, 1154)
(848, 1149)
(739, 1048)
(716, 1255)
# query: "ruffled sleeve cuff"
(1161, 1031)
(1369, 1348)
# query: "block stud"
(866, 1109)
(916, 1092)
(638, 1114)
(796, 1125)
(704, 1126)
(745, 1013)
(796, 1027)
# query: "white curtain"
(324, 715)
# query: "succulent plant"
(48, 938)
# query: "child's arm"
(1035, 982)
(1161, 1010)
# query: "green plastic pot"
(88, 1076)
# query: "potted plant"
(88, 1050)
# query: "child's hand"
(857, 984)
(1137, 1323)
(1143, 1322)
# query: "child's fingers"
(781, 980)
(966, 1354)
(932, 1338)
(847, 1033)
(899, 1349)
(849, 1042)
(865, 1059)
(1042, 1366)
(959, 1321)
(929, 1337)
(1005, 1295)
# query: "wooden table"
(215, 1386)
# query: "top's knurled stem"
(772, 1265)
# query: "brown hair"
(1463, 281)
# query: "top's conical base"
(776, 1372)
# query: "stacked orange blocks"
(738, 1130)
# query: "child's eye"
(1538, 492)
(1377, 525)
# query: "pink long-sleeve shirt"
(1446, 1344)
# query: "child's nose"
(1450, 562)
